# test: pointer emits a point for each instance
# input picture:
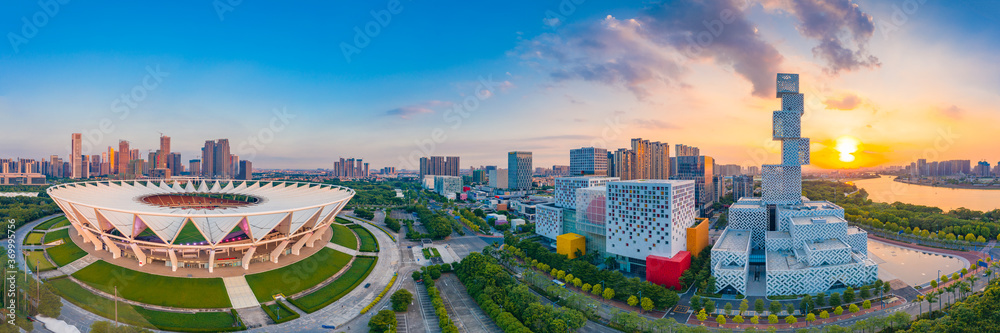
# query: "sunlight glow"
(847, 146)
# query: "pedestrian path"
(341, 248)
(78, 264)
(240, 294)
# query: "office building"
(246, 170)
(439, 165)
(701, 170)
(194, 168)
(565, 188)
(123, 157)
(648, 218)
(448, 186)
(519, 170)
(208, 159)
(76, 156)
(350, 168)
(782, 243)
(223, 162)
(498, 178)
(588, 161)
(743, 186)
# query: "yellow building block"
(697, 236)
(570, 243)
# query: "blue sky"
(600, 74)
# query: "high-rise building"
(700, 169)
(648, 218)
(439, 165)
(208, 159)
(743, 186)
(161, 155)
(112, 161)
(652, 159)
(588, 161)
(76, 156)
(246, 170)
(123, 158)
(195, 167)
(794, 245)
(519, 170)
(222, 160)
(498, 178)
(478, 176)
(684, 150)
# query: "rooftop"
(825, 245)
(733, 241)
(808, 220)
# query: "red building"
(667, 271)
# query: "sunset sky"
(907, 79)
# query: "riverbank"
(946, 185)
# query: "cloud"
(841, 27)
(847, 102)
(953, 112)
(654, 124)
(406, 112)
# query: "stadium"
(203, 224)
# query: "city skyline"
(523, 62)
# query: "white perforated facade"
(565, 188)
(806, 247)
(548, 221)
(649, 217)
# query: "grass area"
(342, 220)
(139, 316)
(155, 289)
(344, 237)
(189, 234)
(279, 312)
(57, 235)
(299, 276)
(435, 251)
(330, 293)
(368, 242)
(64, 222)
(33, 257)
(52, 223)
(427, 253)
(34, 238)
(66, 253)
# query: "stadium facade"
(796, 246)
(200, 224)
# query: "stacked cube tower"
(806, 247)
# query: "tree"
(569, 278)
(696, 303)
(849, 295)
(867, 304)
(944, 278)
(838, 311)
(702, 315)
(835, 299)
(791, 320)
(810, 318)
(806, 304)
(434, 272)
(821, 299)
(772, 318)
(758, 305)
(738, 319)
(383, 321)
(934, 284)
(401, 300)
(729, 308)
(596, 289)
(721, 320)
(755, 320)
(824, 315)
(865, 292)
(577, 282)
(632, 300)
(789, 308)
(586, 287)
(647, 304)
(965, 271)
(609, 293)
(853, 308)
(744, 306)
(710, 306)
(560, 275)
(775, 307)
(886, 288)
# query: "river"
(884, 189)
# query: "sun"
(847, 146)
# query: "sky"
(298, 86)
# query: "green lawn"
(52, 223)
(279, 312)
(299, 276)
(368, 242)
(62, 223)
(330, 293)
(344, 237)
(155, 289)
(38, 257)
(427, 253)
(435, 251)
(34, 238)
(138, 316)
(342, 220)
(66, 253)
(56, 235)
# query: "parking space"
(462, 309)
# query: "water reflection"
(884, 189)
(912, 266)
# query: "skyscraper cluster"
(439, 166)
(645, 160)
(217, 162)
(350, 168)
(922, 168)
